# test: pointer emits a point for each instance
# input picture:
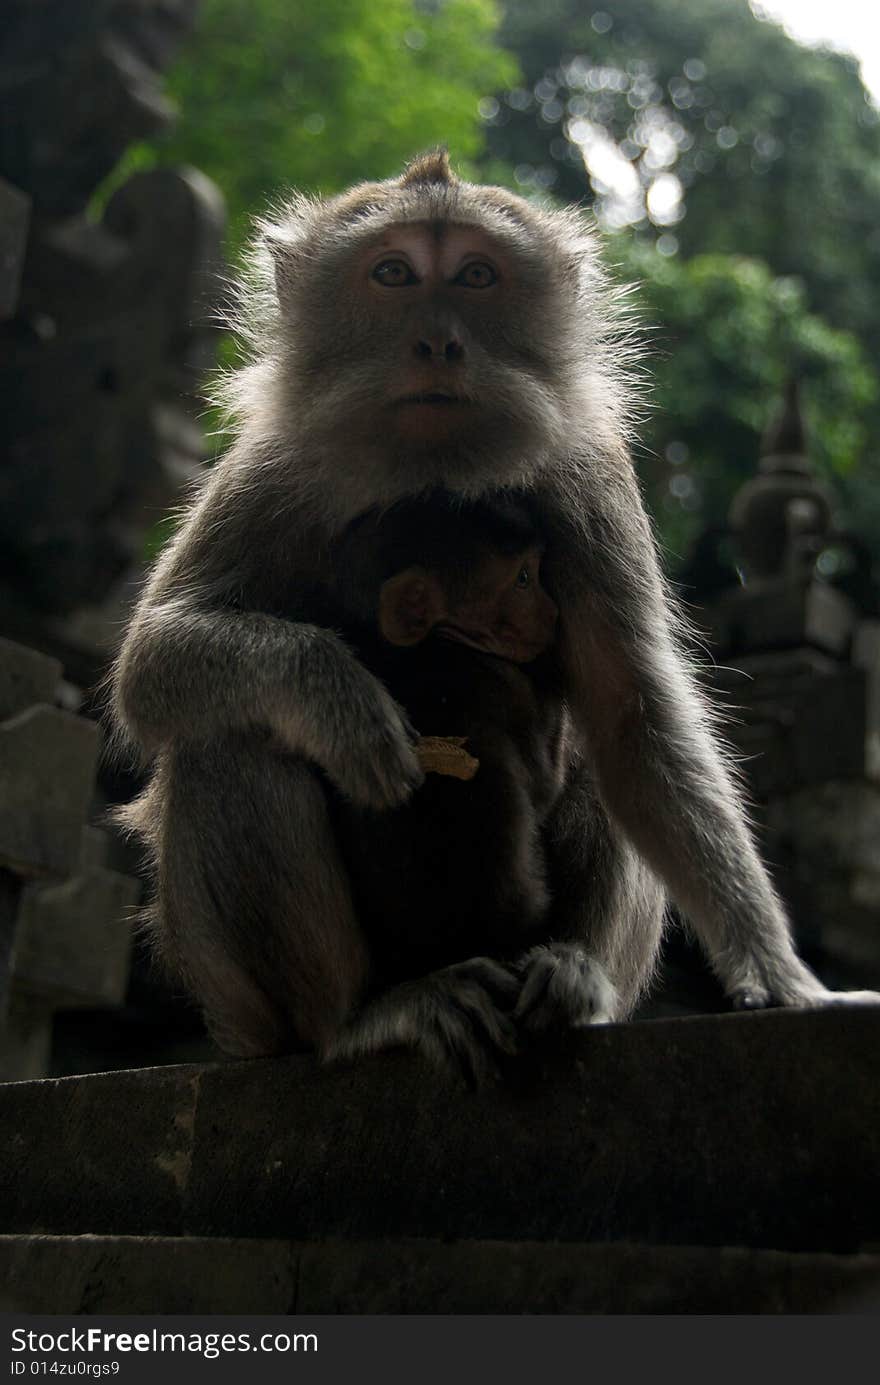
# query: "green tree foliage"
(775, 146)
(729, 335)
(707, 131)
(275, 94)
(691, 125)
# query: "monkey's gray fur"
(244, 704)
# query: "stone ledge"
(112, 1274)
(756, 1130)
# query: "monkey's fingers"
(488, 1022)
(463, 1055)
(535, 987)
(466, 1030)
(502, 982)
(382, 772)
(763, 998)
(564, 988)
(853, 998)
(753, 998)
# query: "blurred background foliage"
(736, 173)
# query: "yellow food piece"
(446, 755)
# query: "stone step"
(120, 1274)
(758, 1130)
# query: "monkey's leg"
(254, 910)
(661, 772)
(459, 1018)
(606, 922)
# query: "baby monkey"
(443, 601)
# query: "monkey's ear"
(410, 605)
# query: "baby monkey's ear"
(410, 604)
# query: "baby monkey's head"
(477, 581)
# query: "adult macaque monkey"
(410, 335)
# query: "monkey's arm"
(187, 673)
(661, 770)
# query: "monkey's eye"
(394, 274)
(523, 577)
(477, 275)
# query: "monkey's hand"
(780, 979)
(358, 735)
(458, 1018)
(762, 997)
(562, 988)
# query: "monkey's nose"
(439, 349)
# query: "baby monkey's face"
(499, 606)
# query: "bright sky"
(853, 25)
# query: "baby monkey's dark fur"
(460, 869)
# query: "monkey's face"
(434, 291)
(434, 333)
(426, 359)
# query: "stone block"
(114, 1274)
(826, 836)
(850, 935)
(142, 1182)
(797, 718)
(94, 848)
(180, 207)
(25, 1039)
(782, 615)
(10, 900)
(47, 770)
(833, 825)
(760, 1130)
(73, 945)
(866, 655)
(26, 677)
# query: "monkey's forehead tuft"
(431, 167)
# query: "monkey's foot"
(563, 987)
(459, 1018)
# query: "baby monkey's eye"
(523, 577)
(477, 275)
(394, 274)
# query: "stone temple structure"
(797, 654)
(104, 339)
(104, 323)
